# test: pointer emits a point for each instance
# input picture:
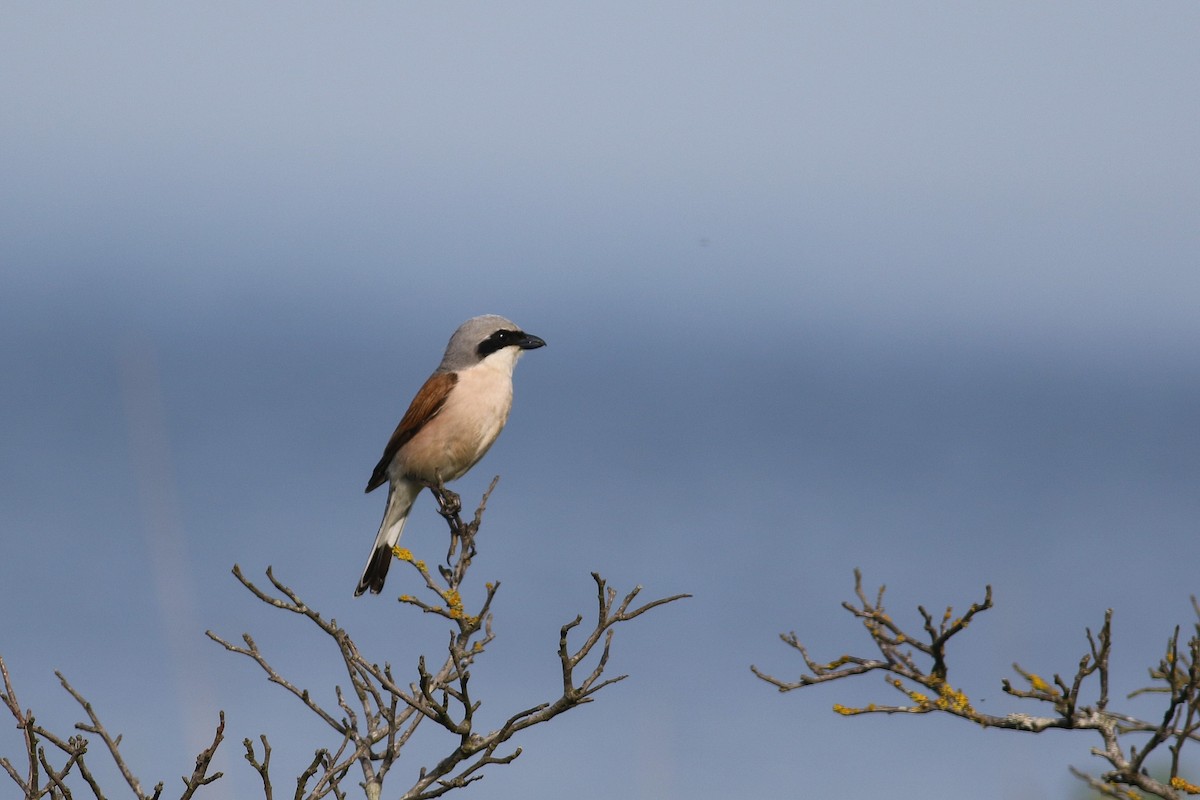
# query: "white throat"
(503, 360)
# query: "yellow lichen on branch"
(1183, 786)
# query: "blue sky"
(907, 287)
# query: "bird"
(450, 424)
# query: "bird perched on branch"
(451, 423)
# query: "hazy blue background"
(911, 287)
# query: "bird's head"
(484, 337)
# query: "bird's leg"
(449, 506)
(450, 503)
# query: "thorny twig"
(918, 670)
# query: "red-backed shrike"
(451, 423)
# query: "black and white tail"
(400, 499)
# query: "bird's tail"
(400, 499)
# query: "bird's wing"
(424, 407)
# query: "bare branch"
(252, 652)
(25, 724)
(925, 686)
(200, 776)
(375, 716)
(113, 744)
(378, 716)
(44, 779)
(263, 768)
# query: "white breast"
(473, 416)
